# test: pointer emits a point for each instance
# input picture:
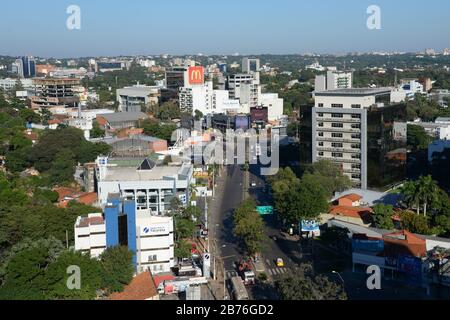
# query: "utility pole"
(67, 239)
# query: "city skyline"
(248, 28)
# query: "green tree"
(169, 111)
(428, 191)
(382, 216)
(117, 268)
(417, 138)
(304, 284)
(90, 276)
(96, 131)
(329, 176)
(182, 249)
(63, 167)
(23, 274)
(249, 227)
(414, 223)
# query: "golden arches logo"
(196, 75)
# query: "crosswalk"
(276, 271)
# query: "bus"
(239, 291)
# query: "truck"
(246, 272)
(239, 292)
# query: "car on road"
(280, 262)
(253, 184)
(273, 237)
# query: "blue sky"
(113, 27)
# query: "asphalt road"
(231, 197)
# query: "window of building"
(320, 144)
(356, 176)
(337, 115)
(356, 106)
(321, 153)
(356, 116)
(337, 145)
(320, 124)
(337, 155)
(356, 146)
(320, 134)
(337, 135)
(337, 105)
(356, 136)
(320, 105)
(337, 125)
(356, 126)
(356, 156)
(320, 114)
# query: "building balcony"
(345, 150)
(338, 140)
(340, 160)
(345, 120)
(349, 130)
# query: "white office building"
(236, 80)
(250, 65)
(152, 241)
(153, 187)
(90, 234)
(339, 122)
(198, 97)
(334, 80)
(274, 105)
(132, 99)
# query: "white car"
(253, 184)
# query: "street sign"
(264, 210)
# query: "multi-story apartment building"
(339, 129)
(197, 97)
(152, 187)
(334, 80)
(150, 238)
(250, 65)
(55, 93)
(132, 99)
(236, 80)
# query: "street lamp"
(343, 282)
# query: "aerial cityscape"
(232, 158)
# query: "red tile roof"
(87, 198)
(353, 212)
(87, 221)
(142, 287)
(404, 242)
(352, 196)
(64, 192)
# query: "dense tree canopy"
(304, 284)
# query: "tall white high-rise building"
(334, 80)
(339, 129)
(250, 65)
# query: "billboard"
(242, 122)
(309, 226)
(196, 75)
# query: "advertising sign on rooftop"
(196, 75)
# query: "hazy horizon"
(249, 27)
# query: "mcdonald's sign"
(196, 75)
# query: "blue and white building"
(150, 238)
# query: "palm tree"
(427, 191)
(410, 195)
